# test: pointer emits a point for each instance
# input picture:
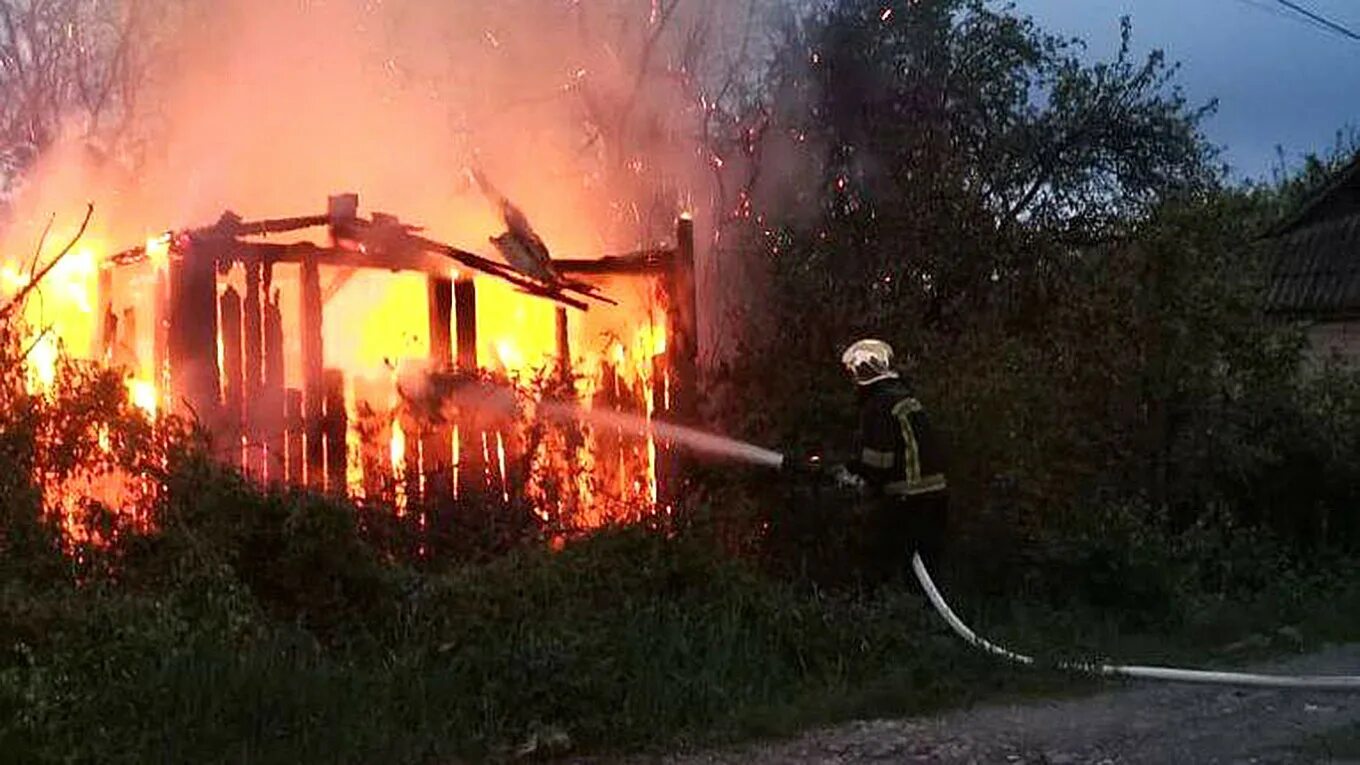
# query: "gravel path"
(1141, 723)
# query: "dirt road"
(1140, 723)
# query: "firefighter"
(899, 466)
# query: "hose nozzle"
(810, 465)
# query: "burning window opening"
(230, 323)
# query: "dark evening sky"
(1281, 80)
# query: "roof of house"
(1316, 252)
(1340, 197)
(1317, 270)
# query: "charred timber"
(644, 262)
(683, 323)
(336, 425)
(233, 394)
(192, 330)
(295, 435)
(252, 325)
(465, 322)
(272, 411)
(313, 372)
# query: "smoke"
(591, 116)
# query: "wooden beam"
(233, 395)
(608, 440)
(252, 322)
(228, 226)
(336, 428)
(665, 466)
(465, 322)
(106, 334)
(313, 372)
(440, 291)
(632, 264)
(470, 478)
(192, 334)
(125, 342)
(160, 332)
(273, 409)
(437, 439)
(296, 432)
(564, 367)
(678, 380)
(372, 406)
(682, 322)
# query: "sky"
(1280, 80)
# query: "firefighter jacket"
(899, 454)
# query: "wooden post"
(441, 321)
(160, 329)
(437, 439)
(192, 336)
(608, 440)
(125, 341)
(296, 431)
(372, 397)
(465, 308)
(471, 467)
(273, 412)
(666, 467)
(412, 472)
(682, 353)
(233, 397)
(313, 372)
(253, 346)
(106, 334)
(564, 348)
(682, 321)
(336, 428)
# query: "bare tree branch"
(22, 295)
(42, 242)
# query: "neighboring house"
(1315, 279)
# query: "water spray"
(498, 401)
(448, 394)
(700, 441)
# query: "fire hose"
(1171, 674)
(1345, 683)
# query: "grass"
(264, 628)
(626, 641)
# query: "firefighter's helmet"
(869, 361)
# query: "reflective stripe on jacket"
(899, 452)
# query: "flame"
(143, 395)
(500, 459)
(457, 459)
(374, 322)
(158, 251)
(398, 455)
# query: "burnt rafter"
(385, 243)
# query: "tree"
(68, 63)
(963, 153)
(1050, 243)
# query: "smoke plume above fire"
(588, 114)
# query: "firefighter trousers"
(899, 526)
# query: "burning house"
(231, 324)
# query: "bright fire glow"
(142, 394)
(398, 454)
(275, 166)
